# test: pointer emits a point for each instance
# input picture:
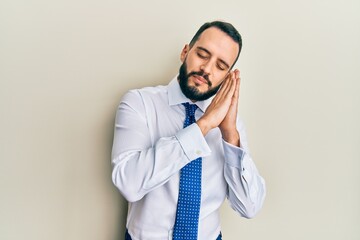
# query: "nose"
(206, 67)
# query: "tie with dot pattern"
(188, 207)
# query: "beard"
(192, 92)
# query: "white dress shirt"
(151, 146)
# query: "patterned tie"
(188, 208)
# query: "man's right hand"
(219, 107)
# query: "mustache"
(201, 74)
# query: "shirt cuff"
(233, 154)
(193, 142)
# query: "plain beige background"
(64, 66)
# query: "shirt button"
(198, 152)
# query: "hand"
(228, 125)
(219, 108)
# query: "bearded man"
(180, 150)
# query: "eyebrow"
(208, 52)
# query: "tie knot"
(190, 113)
(190, 109)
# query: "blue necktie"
(188, 207)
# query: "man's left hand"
(228, 125)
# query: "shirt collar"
(176, 96)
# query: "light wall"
(64, 66)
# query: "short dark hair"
(227, 28)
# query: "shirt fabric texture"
(151, 146)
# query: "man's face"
(206, 64)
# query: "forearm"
(246, 187)
(232, 137)
(140, 162)
(137, 172)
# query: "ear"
(184, 52)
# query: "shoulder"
(134, 94)
(144, 95)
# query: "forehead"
(219, 44)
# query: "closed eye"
(220, 66)
(201, 55)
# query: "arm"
(246, 188)
(222, 112)
(141, 163)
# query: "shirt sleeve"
(141, 163)
(246, 188)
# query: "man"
(158, 159)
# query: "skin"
(214, 53)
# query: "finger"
(227, 91)
(230, 83)
(237, 76)
(227, 79)
(230, 86)
(224, 87)
(237, 90)
(237, 73)
(232, 91)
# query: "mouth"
(200, 80)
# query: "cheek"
(193, 64)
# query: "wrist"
(203, 125)
(231, 137)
